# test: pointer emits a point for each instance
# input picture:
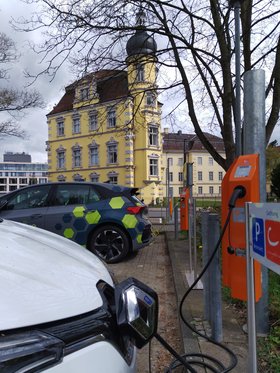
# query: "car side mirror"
(136, 310)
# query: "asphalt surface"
(163, 266)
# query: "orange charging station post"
(184, 209)
(243, 172)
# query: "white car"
(60, 311)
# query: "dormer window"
(84, 94)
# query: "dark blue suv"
(107, 219)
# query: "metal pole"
(194, 240)
(176, 221)
(237, 113)
(251, 320)
(205, 257)
(190, 232)
(255, 142)
(215, 280)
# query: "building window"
(94, 178)
(61, 178)
(150, 99)
(140, 77)
(200, 190)
(171, 176)
(180, 161)
(112, 153)
(153, 167)
(199, 175)
(211, 190)
(180, 176)
(169, 162)
(220, 190)
(84, 94)
(220, 175)
(199, 161)
(60, 128)
(111, 115)
(76, 156)
(93, 155)
(153, 136)
(61, 159)
(93, 121)
(210, 161)
(76, 125)
(181, 190)
(210, 175)
(112, 177)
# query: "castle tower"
(142, 73)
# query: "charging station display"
(243, 174)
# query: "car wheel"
(110, 243)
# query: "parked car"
(107, 219)
(61, 312)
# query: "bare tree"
(13, 102)
(195, 48)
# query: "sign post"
(263, 245)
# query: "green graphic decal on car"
(92, 217)
(129, 221)
(116, 202)
(68, 233)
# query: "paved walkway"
(233, 335)
(163, 267)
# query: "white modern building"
(17, 170)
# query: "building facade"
(106, 127)
(207, 174)
(17, 171)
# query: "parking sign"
(264, 234)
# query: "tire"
(110, 243)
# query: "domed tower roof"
(141, 42)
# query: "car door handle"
(36, 216)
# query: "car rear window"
(75, 195)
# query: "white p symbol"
(257, 231)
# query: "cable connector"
(238, 192)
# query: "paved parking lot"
(152, 266)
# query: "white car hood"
(45, 277)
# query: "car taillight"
(135, 209)
(29, 352)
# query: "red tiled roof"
(177, 142)
(111, 85)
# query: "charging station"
(184, 209)
(243, 176)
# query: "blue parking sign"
(258, 236)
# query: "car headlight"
(136, 310)
(29, 352)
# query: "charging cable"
(198, 359)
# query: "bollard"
(215, 280)
(205, 280)
(212, 278)
(176, 221)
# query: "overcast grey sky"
(34, 123)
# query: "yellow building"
(106, 127)
(207, 174)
